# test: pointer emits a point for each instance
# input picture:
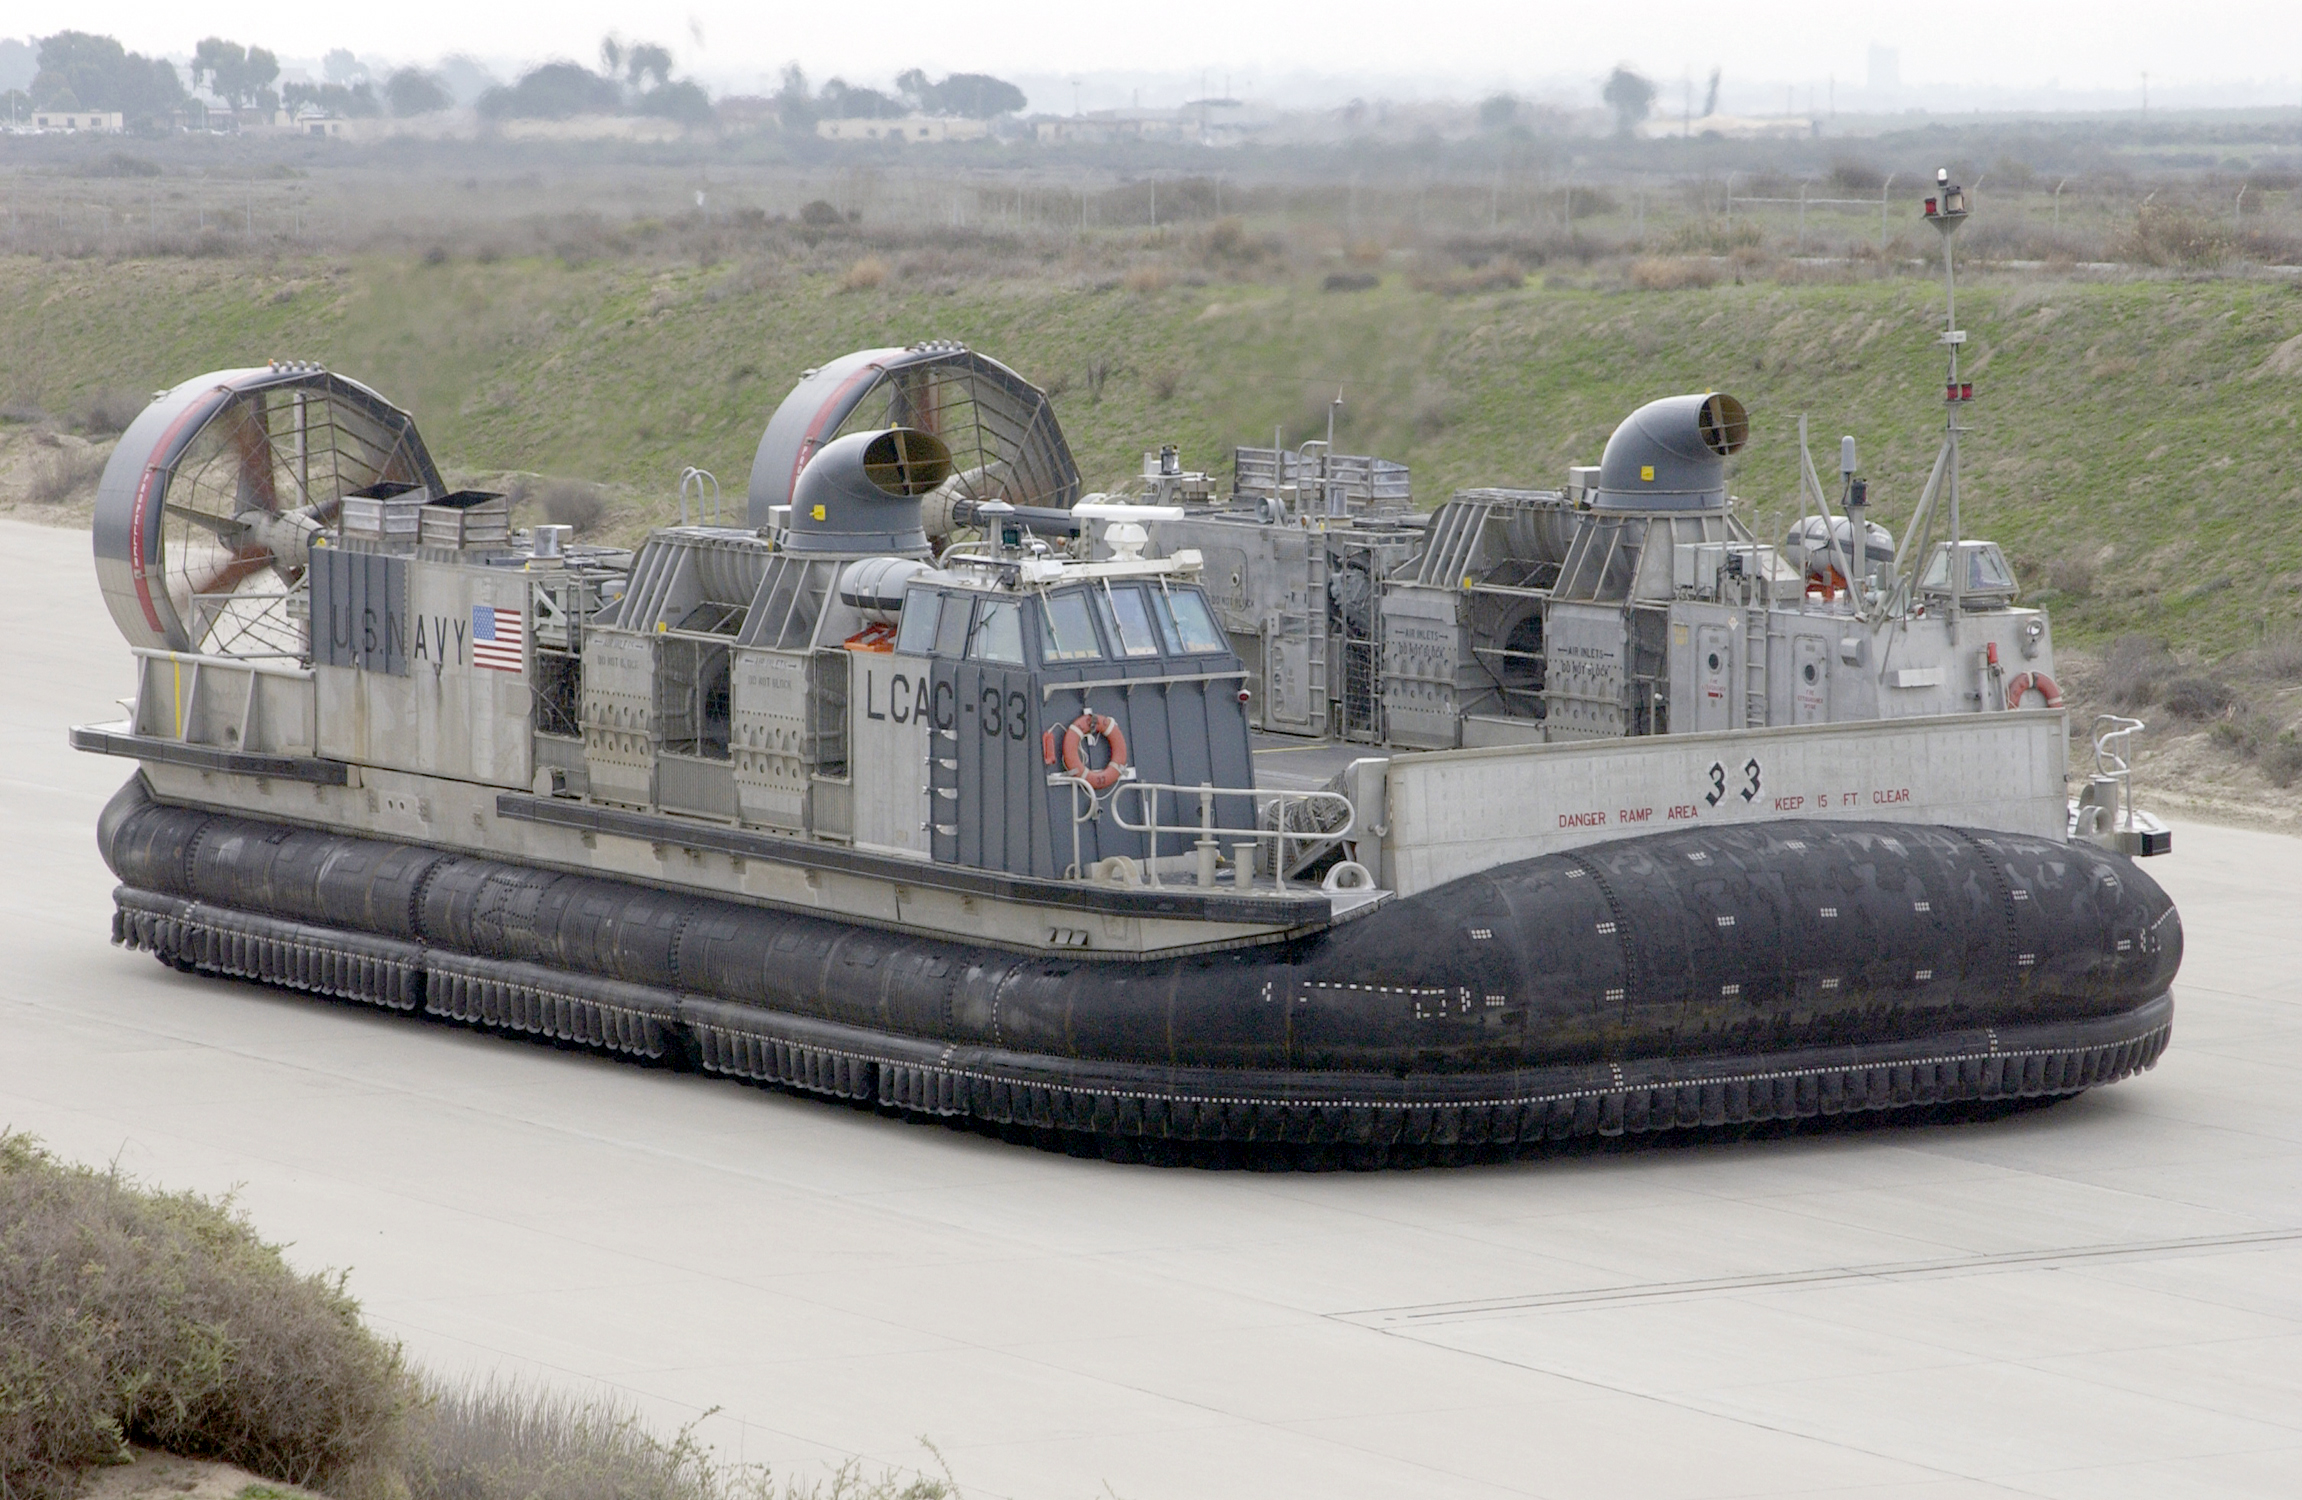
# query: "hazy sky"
(2101, 46)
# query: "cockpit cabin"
(1051, 703)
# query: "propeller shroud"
(209, 502)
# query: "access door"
(1810, 679)
(1714, 677)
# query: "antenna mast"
(1946, 211)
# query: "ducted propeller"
(207, 511)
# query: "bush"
(1657, 273)
(2132, 670)
(1350, 281)
(2072, 574)
(63, 473)
(503, 1441)
(108, 411)
(130, 1315)
(2197, 698)
(2281, 656)
(570, 502)
(2258, 737)
(864, 275)
(2173, 237)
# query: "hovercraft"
(941, 789)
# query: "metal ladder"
(1318, 688)
(1754, 654)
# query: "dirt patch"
(163, 1476)
(49, 476)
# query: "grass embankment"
(2134, 444)
(163, 1320)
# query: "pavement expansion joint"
(1909, 1270)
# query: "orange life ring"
(1078, 732)
(2029, 680)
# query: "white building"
(100, 121)
(914, 128)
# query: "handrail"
(2110, 763)
(2107, 761)
(699, 481)
(1276, 802)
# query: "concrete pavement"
(2099, 1299)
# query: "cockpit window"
(951, 629)
(916, 636)
(1193, 623)
(1128, 619)
(1987, 572)
(1066, 628)
(998, 633)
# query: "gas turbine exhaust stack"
(860, 495)
(1671, 454)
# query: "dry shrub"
(2197, 698)
(1148, 279)
(1656, 273)
(18, 410)
(2280, 657)
(504, 1441)
(132, 1315)
(568, 502)
(1163, 380)
(1366, 253)
(1227, 242)
(2275, 750)
(2070, 574)
(2133, 669)
(1712, 237)
(1495, 276)
(1350, 281)
(864, 275)
(107, 412)
(2173, 237)
(64, 473)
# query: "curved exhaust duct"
(1671, 454)
(861, 494)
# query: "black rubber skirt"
(1687, 979)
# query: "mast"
(1946, 211)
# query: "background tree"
(78, 70)
(237, 75)
(341, 66)
(1499, 112)
(841, 100)
(352, 102)
(554, 91)
(795, 107)
(682, 100)
(412, 91)
(1630, 96)
(977, 96)
(645, 60)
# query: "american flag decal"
(497, 639)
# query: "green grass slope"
(2134, 444)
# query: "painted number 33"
(1718, 777)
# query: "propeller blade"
(229, 529)
(252, 437)
(244, 564)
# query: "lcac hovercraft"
(979, 835)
